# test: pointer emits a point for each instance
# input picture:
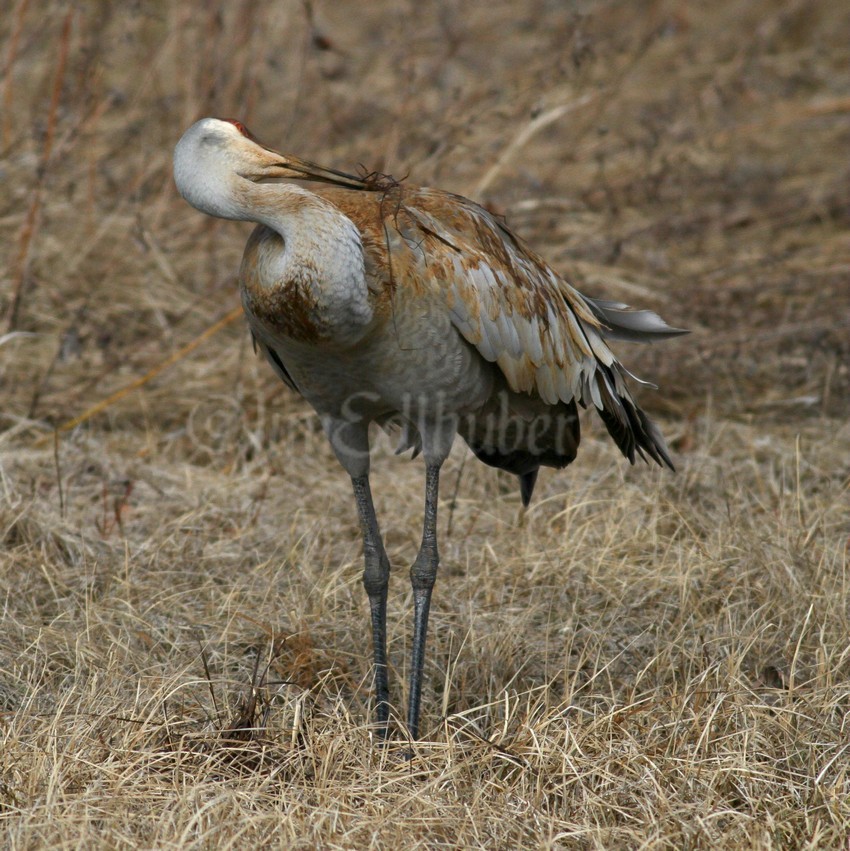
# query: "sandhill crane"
(380, 301)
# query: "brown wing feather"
(547, 339)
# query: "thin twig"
(31, 222)
(227, 319)
(209, 678)
(58, 473)
(525, 135)
(14, 41)
(453, 503)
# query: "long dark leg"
(376, 577)
(422, 576)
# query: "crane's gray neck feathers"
(322, 256)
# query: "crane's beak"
(270, 164)
(292, 168)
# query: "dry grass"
(644, 660)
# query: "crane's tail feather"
(621, 322)
(523, 465)
(526, 485)
(632, 430)
(522, 445)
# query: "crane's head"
(215, 153)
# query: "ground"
(642, 659)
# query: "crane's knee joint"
(423, 572)
(376, 575)
(374, 585)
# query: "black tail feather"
(522, 445)
(526, 485)
(632, 430)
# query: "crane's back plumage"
(547, 341)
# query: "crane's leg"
(376, 577)
(422, 576)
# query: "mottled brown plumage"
(386, 302)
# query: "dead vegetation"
(644, 660)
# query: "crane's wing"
(545, 336)
(274, 359)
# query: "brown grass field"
(642, 660)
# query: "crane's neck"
(303, 274)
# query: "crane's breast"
(282, 303)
